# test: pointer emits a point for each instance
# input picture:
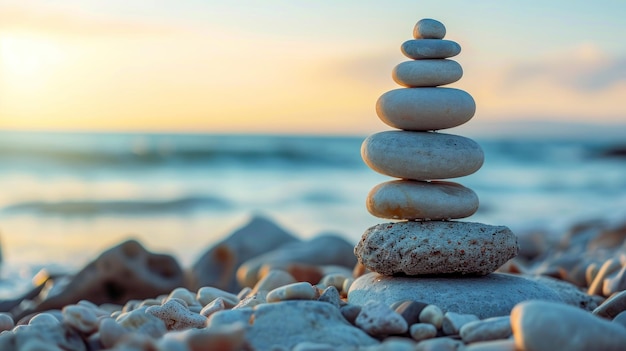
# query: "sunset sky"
(296, 66)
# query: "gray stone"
(379, 320)
(217, 266)
(485, 296)
(414, 199)
(427, 73)
(421, 109)
(435, 247)
(453, 322)
(422, 331)
(440, 344)
(569, 293)
(428, 28)
(421, 155)
(492, 345)
(487, 329)
(620, 319)
(612, 306)
(289, 323)
(548, 326)
(419, 49)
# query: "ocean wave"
(86, 208)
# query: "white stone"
(546, 326)
(485, 296)
(379, 320)
(421, 155)
(422, 331)
(428, 28)
(435, 247)
(440, 344)
(294, 291)
(487, 329)
(419, 49)
(427, 73)
(422, 109)
(432, 314)
(411, 199)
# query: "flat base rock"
(484, 296)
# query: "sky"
(288, 66)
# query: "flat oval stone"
(435, 247)
(421, 155)
(412, 199)
(419, 49)
(422, 109)
(428, 28)
(484, 296)
(427, 73)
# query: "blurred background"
(174, 122)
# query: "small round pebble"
(612, 306)
(80, 318)
(207, 294)
(6, 322)
(378, 319)
(410, 310)
(428, 28)
(433, 315)
(486, 329)
(294, 291)
(452, 322)
(422, 331)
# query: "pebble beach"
(422, 276)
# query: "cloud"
(584, 69)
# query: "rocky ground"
(264, 289)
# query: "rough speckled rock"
(569, 293)
(427, 73)
(413, 199)
(545, 326)
(485, 296)
(423, 109)
(435, 247)
(419, 49)
(421, 155)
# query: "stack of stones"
(435, 254)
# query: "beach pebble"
(176, 316)
(620, 319)
(141, 322)
(207, 294)
(335, 279)
(331, 295)
(392, 343)
(440, 344)
(435, 247)
(419, 49)
(273, 279)
(409, 310)
(428, 28)
(486, 329)
(289, 323)
(313, 346)
(294, 291)
(492, 345)
(350, 312)
(432, 314)
(6, 322)
(110, 332)
(541, 325)
(422, 109)
(323, 249)
(452, 322)
(80, 318)
(486, 296)
(227, 317)
(187, 296)
(427, 73)
(612, 306)
(379, 320)
(420, 200)
(422, 331)
(252, 300)
(212, 307)
(615, 282)
(421, 155)
(44, 318)
(61, 336)
(223, 338)
(217, 266)
(607, 268)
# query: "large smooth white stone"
(428, 28)
(421, 155)
(411, 199)
(545, 326)
(427, 73)
(485, 296)
(418, 49)
(422, 109)
(435, 247)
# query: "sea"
(66, 197)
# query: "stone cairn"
(425, 243)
